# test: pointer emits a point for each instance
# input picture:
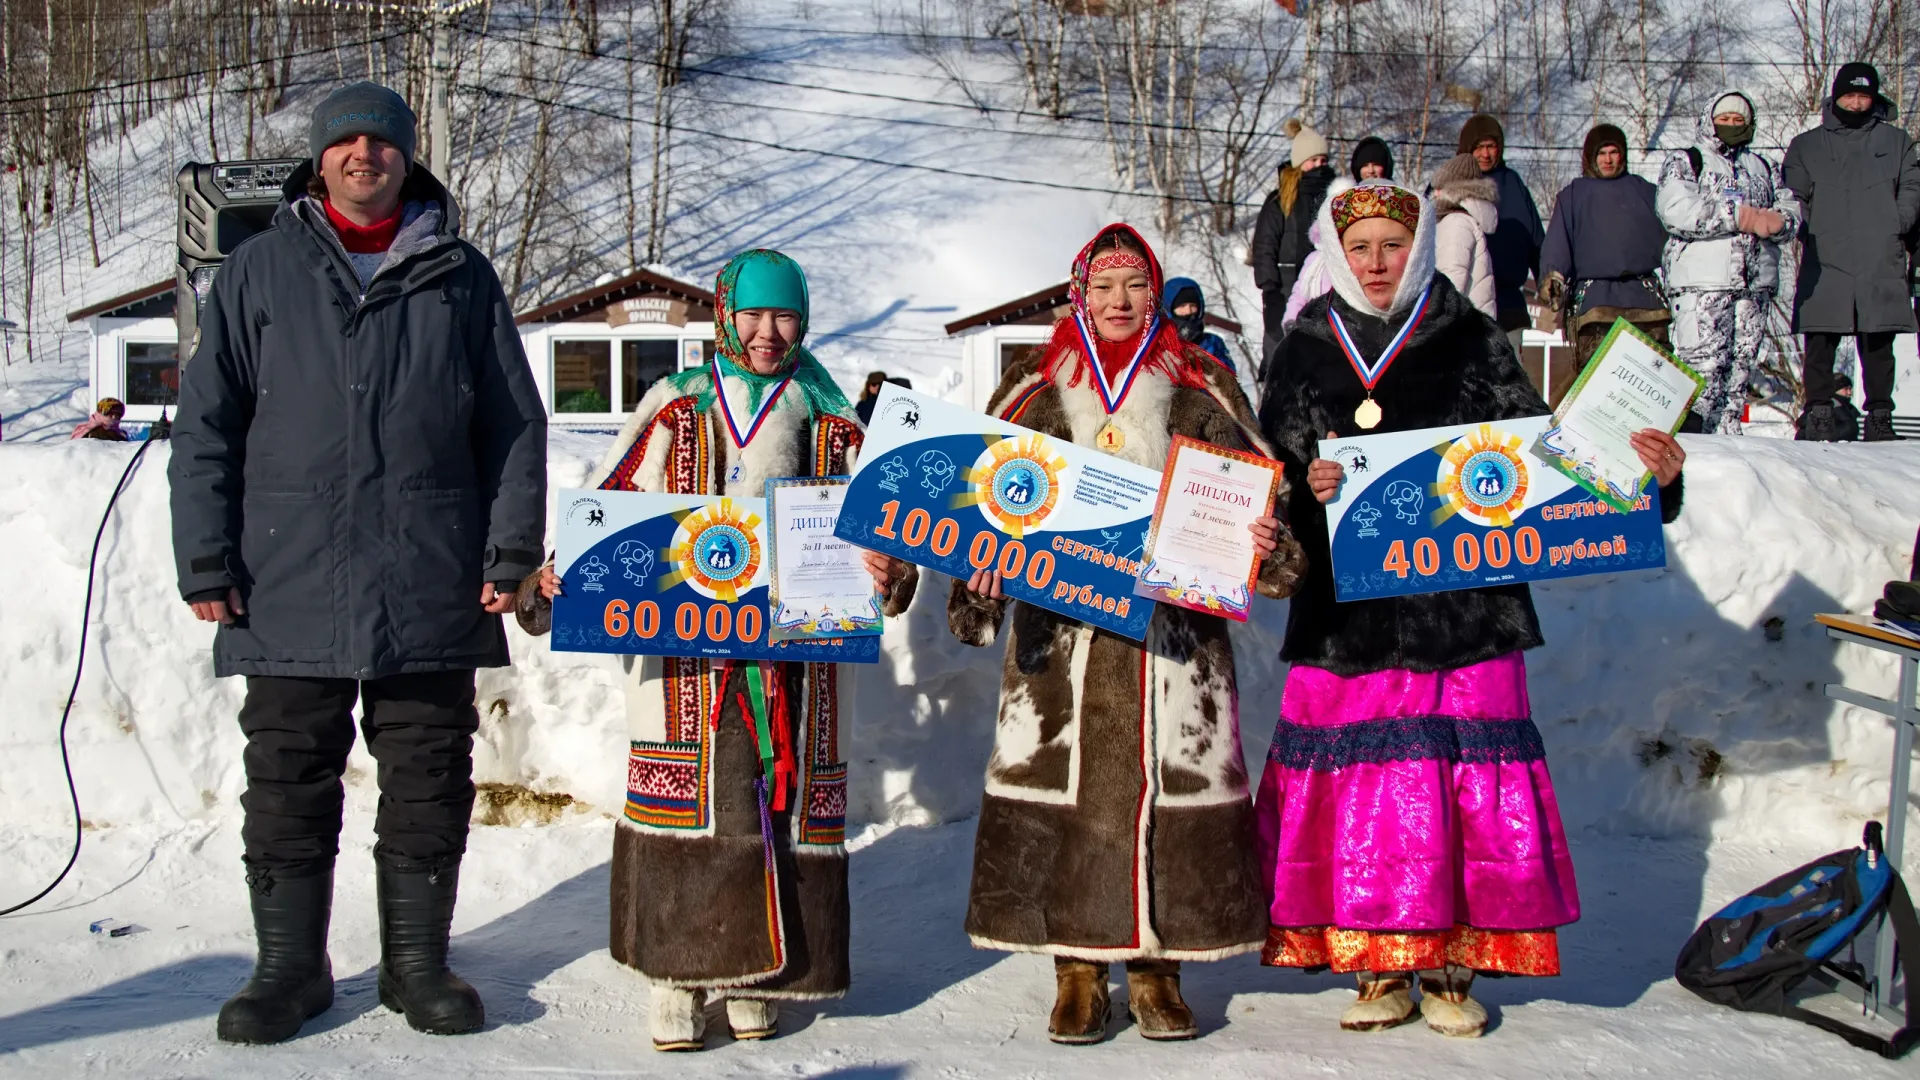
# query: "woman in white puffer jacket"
(1469, 207)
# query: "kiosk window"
(642, 363)
(1011, 354)
(152, 373)
(583, 376)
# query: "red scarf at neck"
(364, 239)
(1169, 355)
(1115, 354)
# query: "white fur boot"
(752, 1018)
(1386, 1001)
(1447, 1005)
(678, 1018)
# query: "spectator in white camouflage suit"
(1727, 213)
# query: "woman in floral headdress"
(1116, 824)
(1407, 821)
(720, 885)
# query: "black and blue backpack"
(1751, 954)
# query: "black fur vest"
(1456, 368)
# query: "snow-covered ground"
(531, 936)
(1694, 751)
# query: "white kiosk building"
(595, 352)
(136, 352)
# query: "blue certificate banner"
(956, 491)
(672, 575)
(1471, 505)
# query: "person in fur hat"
(1116, 825)
(1469, 207)
(1407, 821)
(1602, 256)
(1515, 243)
(721, 886)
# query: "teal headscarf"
(762, 278)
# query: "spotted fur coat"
(1116, 822)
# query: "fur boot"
(1080, 1002)
(678, 1018)
(1386, 1001)
(1153, 997)
(1447, 1005)
(752, 1018)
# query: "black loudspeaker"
(221, 204)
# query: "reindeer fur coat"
(1116, 822)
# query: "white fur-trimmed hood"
(1420, 262)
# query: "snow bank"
(1666, 704)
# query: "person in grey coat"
(358, 485)
(1860, 183)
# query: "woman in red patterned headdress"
(1116, 824)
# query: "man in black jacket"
(1859, 179)
(359, 484)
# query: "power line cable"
(1184, 46)
(1018, 113)
(155, 80)
(863, 159)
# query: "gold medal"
(1368, 414)
(1111, 438)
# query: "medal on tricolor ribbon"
(759, 415)
(1368, 415)
(1112, 397)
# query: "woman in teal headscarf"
(718, 887)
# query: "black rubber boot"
(416, 912)
(1816, 424)
(1880, 426)
(292, 977)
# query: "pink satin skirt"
(1403, 801)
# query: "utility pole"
(439, 126)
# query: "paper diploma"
(820, 586)
(1630, 385)
(1200, 554)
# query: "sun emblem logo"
(1483, 476)
(1015, 483)
(715, 551)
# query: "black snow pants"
(419, 729)
(1876, 368)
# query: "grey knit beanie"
(1455, 169)
(363, 108)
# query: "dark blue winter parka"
(358, 462)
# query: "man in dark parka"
(1515, 245)
(1860, 182)
(359, 483)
